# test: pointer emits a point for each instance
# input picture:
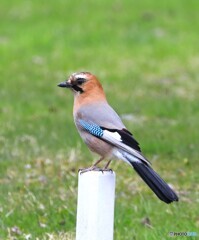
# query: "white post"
(95, 205)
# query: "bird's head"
(83, 84)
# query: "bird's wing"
(101, 114)
(119, 138)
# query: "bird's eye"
(80, 81)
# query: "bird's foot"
(106, 170)
(94, 168)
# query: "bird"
(103, 131)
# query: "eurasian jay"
(105, 134)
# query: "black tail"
(155, 182)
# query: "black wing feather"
(127, 137)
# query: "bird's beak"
(65, 85)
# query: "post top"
(96, 173)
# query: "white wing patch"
(115, 139)
(115, 135)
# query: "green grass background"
(146, 54)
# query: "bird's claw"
(84, 170)
(107, 170)
(94, 168)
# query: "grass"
(146, 56)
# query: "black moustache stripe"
(77, 89)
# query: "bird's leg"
(93, 167)
(98, 161)
(106, 166)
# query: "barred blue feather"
(94, 129)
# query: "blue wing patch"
(94, 129)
